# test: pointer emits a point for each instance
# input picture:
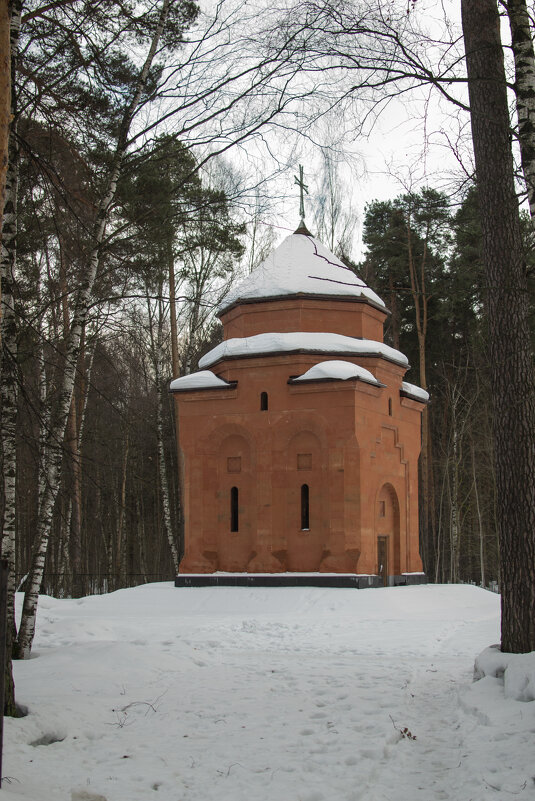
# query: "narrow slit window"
(305, 508)
(390, 407)
(263, 401)
(234, 516)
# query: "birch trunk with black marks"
(9, 376)
(164, 486)
(8, 394)
(9, 367)
(175, 372)
(512, 373)
(5, 97)
(524, 58)
(57, 432)
(157, 349)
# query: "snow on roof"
(415, 392)
(203, 380)
(300, 341)
(340, 370)
(300, 265)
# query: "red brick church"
(299, 439)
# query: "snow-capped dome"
(300, 265)
(339, 370)
(299, 342)
(202, 380)
(414, 391)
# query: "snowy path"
(463, 747)
(426, 762)
(242, 694)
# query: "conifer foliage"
(423, 256)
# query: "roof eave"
(215, 388)
(305, 296)
(304, 352)
(404, 394)
(330, 380)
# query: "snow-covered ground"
(268, 694)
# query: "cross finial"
(303, 188)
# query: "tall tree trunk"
(524, 57)
(80, 586)
(395, 317)
(175, 363)
(420, 301)
(513, 378)
(57, 433)
(157, 348)
(454, 506)
(439, 569)
(72, 533)
(75, 530)
(457, 415)
(480, 528)
(175, 371)
(5, 98)
(121, 524)
(9, 366)
(164, 486)
(141, 539)
(8, 394)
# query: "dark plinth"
(344, 580)
(409, 579)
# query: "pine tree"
(513, 378)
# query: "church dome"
(300, 267)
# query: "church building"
(298, 438)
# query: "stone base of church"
(343, 580)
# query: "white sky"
(418, 140)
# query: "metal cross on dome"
(303, 188)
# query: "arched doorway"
(387, 534)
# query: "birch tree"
(206, 111)
(524, 60)
(335, 216)
(47, 499)
(5, 96)
(155, 314)
(9, 377)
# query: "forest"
(134, 199)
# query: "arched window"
(263, 401)
(234, 517)
(305, 508)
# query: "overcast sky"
(418, 140)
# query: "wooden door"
(382, 559)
